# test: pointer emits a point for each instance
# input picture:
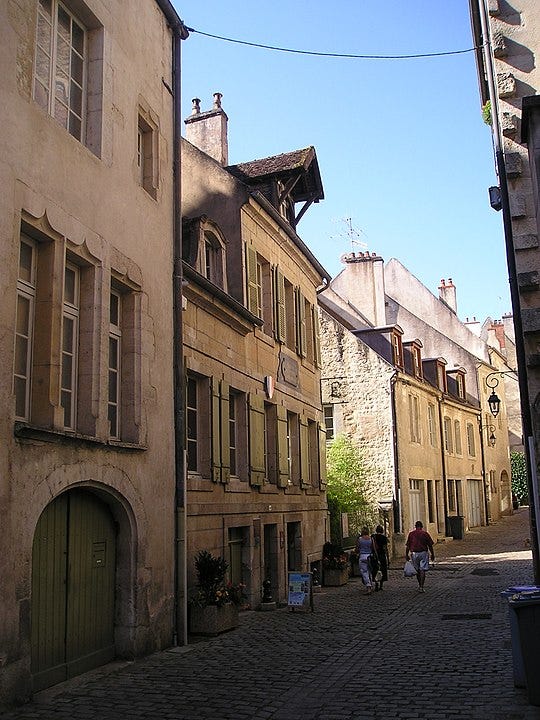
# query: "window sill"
(25, 431)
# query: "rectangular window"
(460, 385)
(471, 445)
(457, 436)
(430, 500)
(60, 66)
(24, 324)
(237, 420)
(313, 453)
(441, 377)
(147, 155)
(448, 435)
(431, 425)
(414, 418)
(397, 350)
(70, 345)
(198, 425)
(290, 316)
(452, 495)
(232, 433)
(329, 421)
(115, 355)
(270, 443)
(417, 362)
(293, 447)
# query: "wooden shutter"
(279, 306)
(282, 447)
(301, 337)
(322, 456)
(225, 432)
(215, 468)
(256, 440)
(252, 291)
(304, 453)
(316, 335)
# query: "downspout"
(484, 470)
(398, 518)
(514, 293)
(180, 33)
(447, 529)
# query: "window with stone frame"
(293, 447)
(198, 425)
(70, 346)
(441, 377)
(237, 437)
(460, 385)
(148, 151)
(68, 62)
(432, 425)
(259, 288)
(452, 495)
(397, 349)
(447, 429)
(414, 418)
(313, 453)
(417, 361)
(471, 444)
(270, 443)
(457, 437)
(24, 326)
(328, 411)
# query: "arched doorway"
(73, 588)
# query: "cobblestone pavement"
(441, 655)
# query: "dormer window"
(441, 377)
(204, 250)
(460, 385)
(397, 350)
(417, 362)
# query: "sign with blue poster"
(300, 596)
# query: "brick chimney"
(447, 293)
(208, 130)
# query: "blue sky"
(401, 144)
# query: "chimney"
(447, 293)
(208, 130)
(362, 284)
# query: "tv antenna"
(352, 235)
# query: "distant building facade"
(411, 397)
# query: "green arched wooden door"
(73, 581)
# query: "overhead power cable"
(330, 54)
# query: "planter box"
(333, 578)
(213, 620)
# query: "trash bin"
(517, 658)
(526, 605)
(456, 526)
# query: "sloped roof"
(301, 162)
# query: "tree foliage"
(520, 486)
(346, 486)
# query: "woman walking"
(364, 548)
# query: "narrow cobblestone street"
(441, 655)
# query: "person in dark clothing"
(380, 544)
(419, 545)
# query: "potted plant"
(335, 565)
(214, 606)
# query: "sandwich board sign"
(300, 595)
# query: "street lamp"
(494, 401)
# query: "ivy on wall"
(520, 488)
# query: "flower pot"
(333, 577)
(212, 620)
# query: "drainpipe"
(398, 518)
(447, 529)
(484, 468)
(180, 33)
(514, 293)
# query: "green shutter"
(316, 335)
(304, 453)
(282, 447)
(256, 440)
(215, 470)
(252, 292)
(279, 306)
(225, 433)
(322, 456)
(301, 335)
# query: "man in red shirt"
(419, 544)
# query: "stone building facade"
(87, 479)
(508, 42)
(255, 439)
(432, 450)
